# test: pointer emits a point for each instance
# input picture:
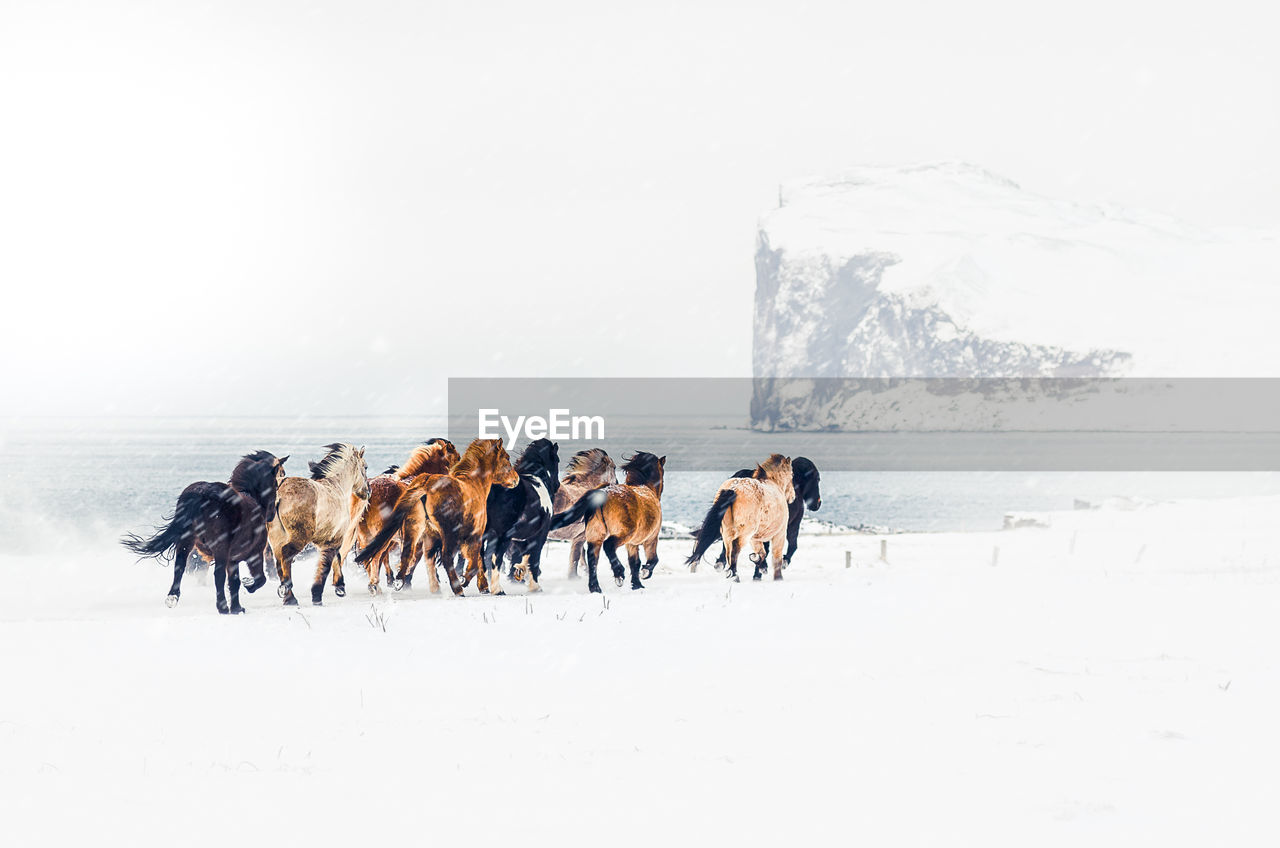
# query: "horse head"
(645, 469)
(346, 465)
(806, 477)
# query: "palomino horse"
(806, 480)
(518, 519)
(323, 511)
(587, 470)
(629, 514)
(227, 521)
(752, 509)
(434, 456)
(454, 504)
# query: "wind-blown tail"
(405, 504)
(162, 544)
(586, 506)
(709, 532)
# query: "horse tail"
(177, 529)
(710, 530)
(391, 525)
(584, 510)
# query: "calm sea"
(78, 482)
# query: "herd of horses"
(468, 514)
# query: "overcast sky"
(314, 207)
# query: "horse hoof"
(252, 586)
(171, 601)
(719, 566)
(756, 577)
(618, 580)
(340, 591)
(778, 576)
(237, 610)
(635, 586)
(646, 573)
(374, 589)
(222, 610)
(499, 592)
(281, 590)
(290, 601)
(398, 585)
(595, 590)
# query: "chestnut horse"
(434, 456)
(227, 522)
(454, 507)
(629, 514)
(754, 509)
(586, 470)
(323, 511)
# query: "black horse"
(227, 522)
(517, 520)
(805, 479)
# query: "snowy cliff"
(948, 270)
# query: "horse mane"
(254, 473)
(642, 469)
(588, 462)
(767, 469)
(537, 456)
(430, 452)
(338, 455)
(477, 455)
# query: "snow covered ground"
(1112, 677)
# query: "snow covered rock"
(948, 270)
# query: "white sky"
(311, 207)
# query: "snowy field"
(1111, 677)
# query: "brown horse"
(750, 509)
(629, 514)
(323, 511)
(454, 507)
(586, 470)
(434, 456)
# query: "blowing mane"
(253, 471)
(642, 468)
(337, 457)
(434, 455)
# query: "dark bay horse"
(227, 522)
(629, 514)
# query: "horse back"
(631, 514)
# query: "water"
(78, 481)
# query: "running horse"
(807, 481)
(752, 509)
(517, 519)
(226, 522)
(454, 505)
(629, 514)
(323, 511)
(434, 456)
(586, 470)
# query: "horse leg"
(219, 578)
(720, 560)
(448, 553)
(611, 551)
(233, 585)
(529, 565)
(284, 561)
(593, 557)
(650, 558)
(759, 556)
(498, 553)
(732, 547)
(258, 571)
(179, 568)
(779, 560)
(633, 560)
(322, 573)
(575, 557)
(339, 582)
